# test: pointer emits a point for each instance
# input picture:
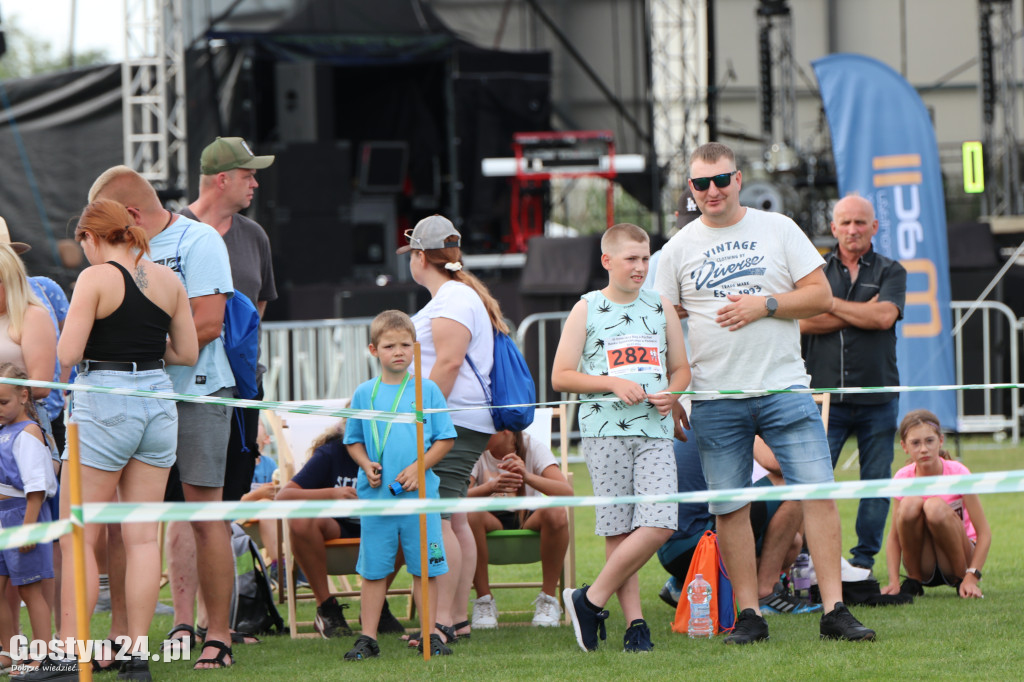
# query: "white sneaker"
(485, 613)
(548, 613)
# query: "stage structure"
(153, 95)
(1000, 91)
(543, 156)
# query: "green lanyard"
(394, 408)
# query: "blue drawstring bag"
(511, 384)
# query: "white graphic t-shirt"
(762, 254)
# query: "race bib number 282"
(633, 354)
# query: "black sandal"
(113, 666)
(459, 626)
(217, 660)
(236, 637)
(449, 633)
(416, 638)
(181, 627)
(437, 646)
(366, 647)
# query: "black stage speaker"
(306, 198)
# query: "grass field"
(938, 637)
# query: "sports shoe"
(783, 602)
(912, 587)
(366, 647)
(388, 624)
(750, 628)
(330, 620)
(587, 623)
(671, 592)
(840, 624)
(638, 637)
(485, 613)
(548, 612)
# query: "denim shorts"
(113, 429)
(788, 422)
(25, 568)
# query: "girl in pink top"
(943, 539)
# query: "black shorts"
(512, 519)
(349, 527)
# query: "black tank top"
(135, 332)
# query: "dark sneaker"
(782, 602)
(366, 647)
(136, 668)
(638, 637)
(389, 625)
(912, 588)
(330, 620)
(750, 628)
(437, 646)
(671, 592)
(840, 624)
(587, 623)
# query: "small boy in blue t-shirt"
(623, 342)
(386, 454)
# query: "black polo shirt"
(853, 356)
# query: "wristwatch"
(976, 572)
(771, 305)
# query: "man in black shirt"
(855, 346)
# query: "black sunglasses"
(721, 180)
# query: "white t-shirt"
(764, 253)
(34, 465)
(459, 302)
(537, 458)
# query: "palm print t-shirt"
(762, 254)
(625, 341)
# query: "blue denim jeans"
(875, 429)
(788, 422)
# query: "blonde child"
(942, 539)
(630, 344)
(27, 480)
(386, 454)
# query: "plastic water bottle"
(802, 575)
(699, 594)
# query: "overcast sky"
(99, 24)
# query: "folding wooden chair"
(294, 433)
(507, 547)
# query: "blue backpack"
(241, 337)
(511, 384)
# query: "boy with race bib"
(623, 342)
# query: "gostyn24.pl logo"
(120, 649)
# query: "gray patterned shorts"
(632, 465)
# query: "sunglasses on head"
(721, 180)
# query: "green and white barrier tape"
(33, 534)
(990, 482)
(408, 418)
(376, 415)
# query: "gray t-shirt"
(252, 270)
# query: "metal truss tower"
(679, 78)
(999, 93)
(777, 87)
(153, 93)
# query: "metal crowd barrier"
(317, 359)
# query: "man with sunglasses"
(745, 277)
(855, 345)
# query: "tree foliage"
(30, 55)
